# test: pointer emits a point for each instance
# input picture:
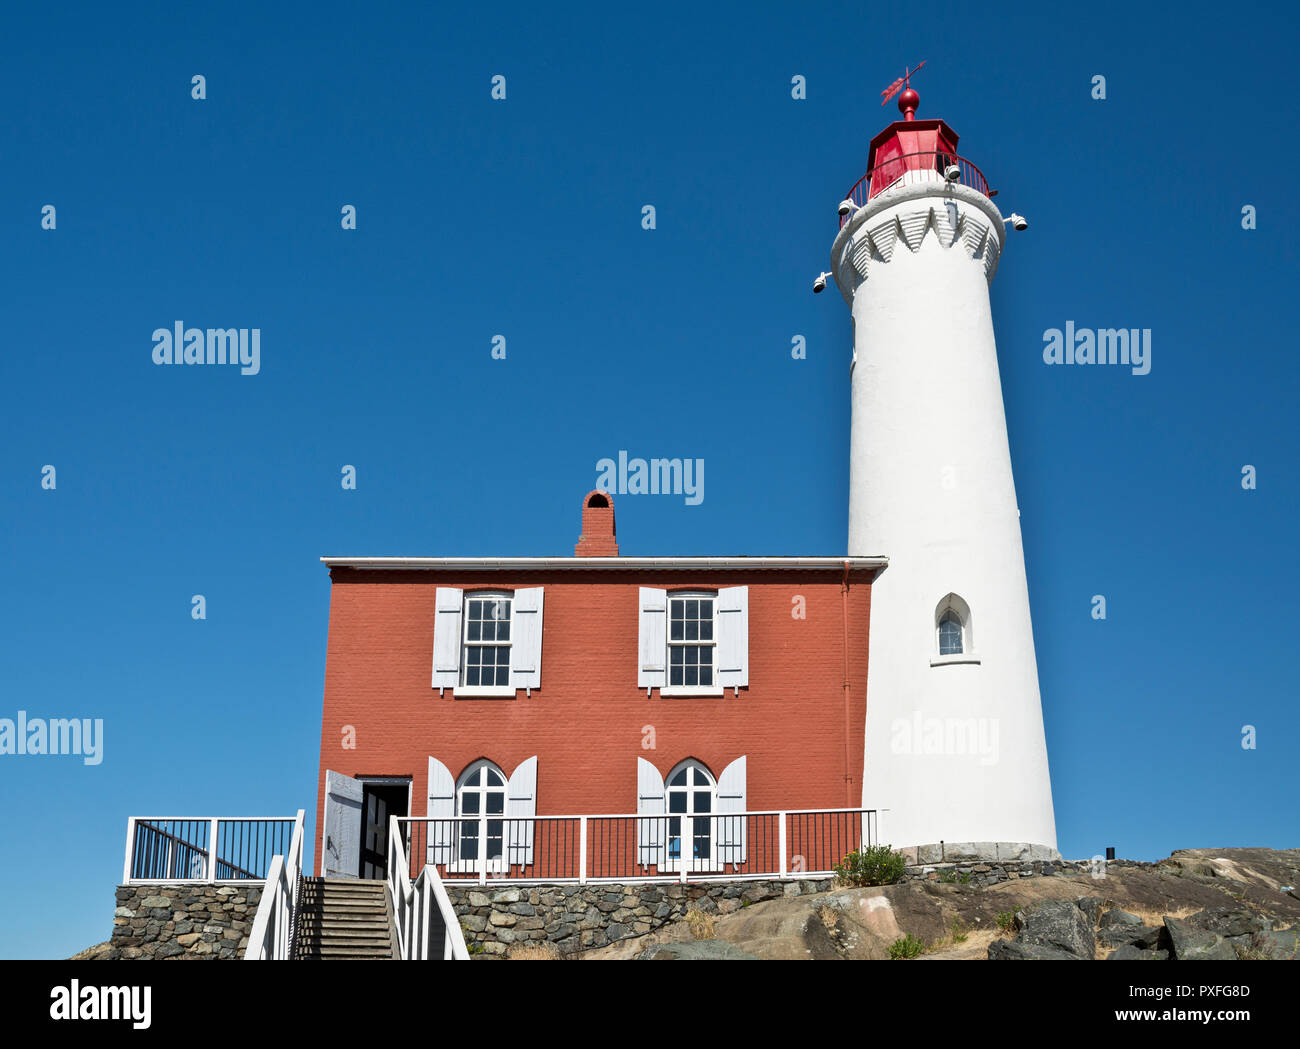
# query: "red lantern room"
(911, 150)
(909, 145)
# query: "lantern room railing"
(914, 168)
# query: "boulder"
(1091, 906)
(1131, 953)
(1115, 916)
(1192, 944)
(1140, 936)
(1015, 951)
(1228, 921)
(1058, 924)
(696, 950)
(1286, 943)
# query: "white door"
(342, 845)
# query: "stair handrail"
(275, 926)
(421, 910)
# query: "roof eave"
(524, 564)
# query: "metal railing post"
(782, 847)
(212, 850)
(130, 849)
(582, 850)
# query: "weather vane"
(899, 84)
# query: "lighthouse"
(955, 755)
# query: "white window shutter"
(521, 807)
(731, 798)
(651, 833)
(732, 623)
(442, 811)
(653, 645)
(526, 639)
(446, 638)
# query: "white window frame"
(669, 689)
(954, 604)
(687, 835)
(480, 863)
(506, 691)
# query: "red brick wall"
(588, 721)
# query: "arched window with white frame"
(690, 795)
(953, 637)
(481, 816)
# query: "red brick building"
(462, 689)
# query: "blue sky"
(522, 218)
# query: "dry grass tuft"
(701, 924)
(540, 951)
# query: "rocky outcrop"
(1065, 910)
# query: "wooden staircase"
(345, 919)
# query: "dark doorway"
(379, 801)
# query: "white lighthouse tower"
(955, 750)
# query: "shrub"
(1006, 921)
(906, 947)
(874, 865)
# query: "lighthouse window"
(487, 640)
(952, 631)
(949, 634)
(690, 641)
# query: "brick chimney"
(597, 539)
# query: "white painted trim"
(670, 691)
(130, 847)
(613, 563)
(483, 692)
(956, 657)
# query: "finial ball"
(908, 101)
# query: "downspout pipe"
(844, 616)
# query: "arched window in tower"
(952, 627)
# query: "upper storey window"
(487, 642)
(693, 642)
(690, 641)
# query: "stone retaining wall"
(991, 872)
(182, 921)
(578, 917)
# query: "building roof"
(618, 563)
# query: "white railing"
(272, 936)
(730, 846)
(207, 849)
(427, 926)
